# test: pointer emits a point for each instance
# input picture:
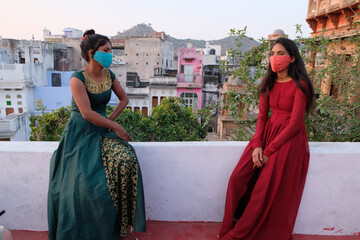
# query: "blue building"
(57, 93)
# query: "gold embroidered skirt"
(121, 169)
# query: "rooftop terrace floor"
(177, 231)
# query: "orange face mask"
(279, 63)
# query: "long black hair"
(92, 41)
(296, 71)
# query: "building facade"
(189, 86)
(334, 19)
(137, 60)
(143, 55)
(161, 87)
(23, 66)
(211, 54)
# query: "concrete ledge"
(186, 181)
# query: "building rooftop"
(176, 208)
(177, 231)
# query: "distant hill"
(226, 43)
(139, 30)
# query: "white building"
(211, 54)
(142, 55)
(161, 87)
(23, 66)
(68, 33)
(136, 60)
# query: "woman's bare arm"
(123, 99)
(82, 101)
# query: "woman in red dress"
(265, 188)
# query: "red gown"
(266, 200)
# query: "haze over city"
(207, 20)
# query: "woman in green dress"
(95, 189)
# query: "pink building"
(189, 85)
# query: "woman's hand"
(265, 158)
(122, 133)
(257, 157)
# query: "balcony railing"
(9, 126)
(163, 80)
(322, 7)
(186, 181)
(193, 78)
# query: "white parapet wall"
(187, 182)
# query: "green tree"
(49, 125)
(251, 69)
(170, 121)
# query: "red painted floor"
(176, 231)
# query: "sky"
(196, 19)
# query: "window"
(348, 57)
(19, 96)
(56, 79)
(21, 110)
(136, 109)
(333, 90)
(8, 96)
(130, 108)
(36, 60)
(155, 101)
(8, 103)
(167, 63)
(188, 73)
(19, 102)
(144, 111)
(191, 99)
(162, 98)
(118, 55)
(9, 111)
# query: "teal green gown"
(95, 188)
